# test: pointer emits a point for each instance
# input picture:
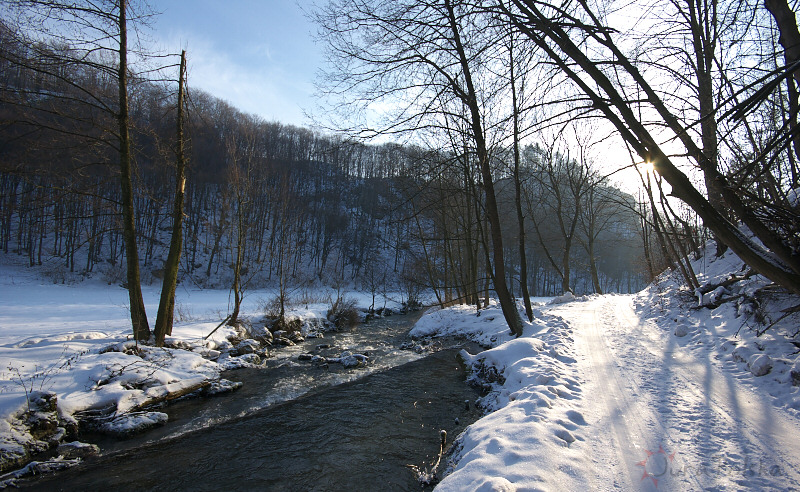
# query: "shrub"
(344, 313)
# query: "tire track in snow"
(622, 416)
(646, 392)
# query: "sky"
(258, 55)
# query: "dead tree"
(166, 306)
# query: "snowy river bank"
(359, 435)
(297, 424)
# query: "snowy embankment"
(525, 440)
(664, 390)
(734, 316)
(68, 361)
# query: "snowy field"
(642, 392)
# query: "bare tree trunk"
(646, 239)
(471, 273)
(702, 23)
(790, 40)
(428, 263)
(141, 328)
(166, 306)
(523, 261)
(593, 266)
(565, 265)
(507, 303)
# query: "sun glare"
(647, 167)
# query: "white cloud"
(262, 86)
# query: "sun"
(647, 167)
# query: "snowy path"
(647, 391)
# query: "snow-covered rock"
(564, 298)
(210, 354)
(795, 373)
(221, 386)
(743, 352)
(77, 449)
(261, 334)
(253, 359)
(349, 360)
(681, 330)
(233, 363)
(131, 423)
(247, 346)
(760, 364)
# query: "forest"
(479, 179)
(284, 205)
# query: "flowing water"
(296, 426)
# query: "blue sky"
(256, 54)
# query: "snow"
(485, 327)
(668, 389)
(526, 441)
(638, 392)
(75, 341)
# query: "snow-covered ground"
(652, 391)
(642, 392)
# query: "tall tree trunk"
(507, 304)
(593, 266)
(565, 265)
(790, 40)
(703, 27)
(237, 267)
(141, 328)
(523, 260)
(471, 272)
(166, 306)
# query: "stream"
(298, 426)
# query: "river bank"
(359, 435)
(68, 359)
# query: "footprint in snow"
(567, 425)
(576, 417)
(565, 436)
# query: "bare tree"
(166, 306)
(556, 31)
(516, 103)
(241, 191)
(555, 198)
(426, 54)
(95, 36)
